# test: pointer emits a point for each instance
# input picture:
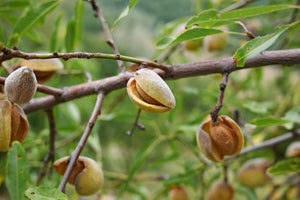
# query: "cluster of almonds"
(19, 88)
(215, 139)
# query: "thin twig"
(248, 33)
(8, 54)
(214, 113)
(136, 123)
(109, 39)
(75, 154)
(42, 88)
(268, 144)
(50, 155)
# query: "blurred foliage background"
(167, 148)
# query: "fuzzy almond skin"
(20, 85)
(253, 173)
(220, 191)
(90, 179)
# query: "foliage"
(147, 163)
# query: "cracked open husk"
(13, 124)
(43, 68)
(150, 92)
(87, 175)
(217, 139)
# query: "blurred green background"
(168, 146)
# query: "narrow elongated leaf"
(285, 166)
(139, 159)
(268, 121)
(125, 12)
(3, 162)
(179, 178)
(54, 36)
(70, 36)
(17, 178)
(214, 18)
(253, 11)
(256, 46)
(250, 194)
(191, 34)
(79, 10)
(9, 6)
(31, 16)
(45, 193)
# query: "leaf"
(268, 121)
(45, 193)
(293, 116)
(258, 107)
(17, 178)
(285, 166)
(191, 34)
(54, 39)
(253, 11)
(139, 159)
(70, 36)
(250, 194)
(79, 10)
(179, 178)
(125, 12)
(214, 18)
(256, 46)
(3, 163)
(10, 6)
(30, 17)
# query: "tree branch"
(8, 54)
(75, 154)
(267, 144)
(279, 57)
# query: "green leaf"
(17, 178)
(125, 12)
(250, 194)
(54, 36)
(70, 36)
(30, 17)
(268, 121)
(208, 18)
(138, 161)
(45, 193)
(13, 5)
(253, 11)
(191, 34)
(285, 166)
(258, 107)
(256, 46)
(165, 42)
(79, 10)
(3, 163)
(214, 18)
(179, 178)
(293, 116)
